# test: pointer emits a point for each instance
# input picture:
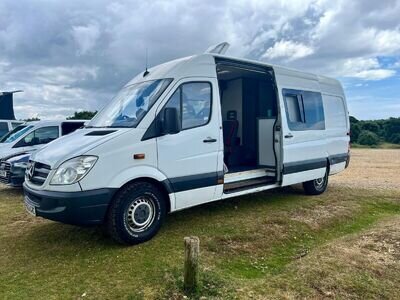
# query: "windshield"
(15, 133)
(130, 105)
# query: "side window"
(46, 134)
(294, 109)
(304, 110)
(40, 136)
(3, 128)
(314, 110)
(196, 104)
(175, 102)
(193, 102)
(336, 118)
(293, 103)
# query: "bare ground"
(371, 169)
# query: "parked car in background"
(17, 146)
(7, 125)
(12, 169)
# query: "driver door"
(189, 157)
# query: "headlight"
(73, 170)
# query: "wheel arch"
(328, 165)
(164, 186)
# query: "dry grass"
(277, 244)
(358, 266)
(371, 169)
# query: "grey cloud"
(74, 54)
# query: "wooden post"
(191, 268)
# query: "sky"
(75, 55)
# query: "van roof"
(198, 65)
(54, 122)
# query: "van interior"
(249, 114)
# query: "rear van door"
(337, 131)
(304, 143)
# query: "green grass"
(380, 146)
(250, 244)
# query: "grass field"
(272, 245)
(380, 146)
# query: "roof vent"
(220, 48)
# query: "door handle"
(209, 140)
(288, 136)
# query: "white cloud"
(376, 74)
(86, 37)
(289, 50)
(89, 49)
(387, 41)
(396, 65)
(363, 68)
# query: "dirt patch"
(356, 265)
(320, 215)
(371, 169)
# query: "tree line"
(78, 115)
(375, 132)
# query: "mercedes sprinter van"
(187, 132)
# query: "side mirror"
(171, 123)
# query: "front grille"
(37, 172)
(5, 167)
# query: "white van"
(7, 125)
(187, 132)
(13, 166)
(31, 136)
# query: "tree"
(353, 120)
(32, 119)
(355, 131)
(83, 115)
(368, 138)
(392, 130)
(395, 138)
(371, 126)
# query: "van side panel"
(336, 118)
(304, 151)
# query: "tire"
(136, 213)
(316, 186)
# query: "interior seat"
(230, 131)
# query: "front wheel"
(316, 186)
(136, 214)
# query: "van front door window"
(193, 103)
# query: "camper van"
(187, 132)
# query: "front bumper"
(77, 208)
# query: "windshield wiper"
(95, 126)
(119, 126)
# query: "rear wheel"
(136, 214)
(316, 186)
